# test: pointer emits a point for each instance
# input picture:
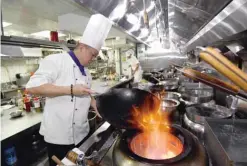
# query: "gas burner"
(156, 145)
(181, 148)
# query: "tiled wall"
(13, 66)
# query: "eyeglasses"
(94, 54)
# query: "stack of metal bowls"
(170, 104)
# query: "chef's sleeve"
(134, 60)
(46, 73)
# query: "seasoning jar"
(42, 103)
(36, 102)
(27, 103)
(76, 158)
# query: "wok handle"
(225, 67)
(56, 160)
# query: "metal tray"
(226, 142)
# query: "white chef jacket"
(64, 121)
(138, 74)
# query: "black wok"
(115, 105)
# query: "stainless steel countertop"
(10, 127)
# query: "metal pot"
(169, 84)
(197, 96)
(170, 109)
(169, 105)
(172, 95)
(166, 85)
(195, 116)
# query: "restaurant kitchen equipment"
(140, 144)
(228, 137)
(22, 79)
(195, 116)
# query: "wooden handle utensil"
(214, 82)
(56, 160)
(225, 67)
(209, 80)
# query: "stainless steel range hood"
(128, 15)
(172, 22)
(230, 21)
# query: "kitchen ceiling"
(176, 21)
(31, 16)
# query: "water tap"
(232, 103)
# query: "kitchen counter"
(10, 127)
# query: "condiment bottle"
(27, 103)
(19, 100)
(36, 103)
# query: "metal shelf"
(28, 42)
(12, 90)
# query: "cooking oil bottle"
(19, 100)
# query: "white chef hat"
(96, 31)
(129, 53)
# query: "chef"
(135, 66)
(65, 80)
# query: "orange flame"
(155, 141)
(160, 94)
(149, 116)
(156, 145)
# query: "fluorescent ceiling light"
(119, 11)
(5, 24)
(135, 27)
(46, 34)
(171, 14)
(133, 19)
(144, 33)
(151, 22)
(106, 48)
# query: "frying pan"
(115, 105)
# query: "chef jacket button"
(74, 123)
(76, 79)
(76, 109)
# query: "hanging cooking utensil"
(214, 82)
(224, 66)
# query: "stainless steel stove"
(104, 142)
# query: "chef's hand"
(80, 89)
